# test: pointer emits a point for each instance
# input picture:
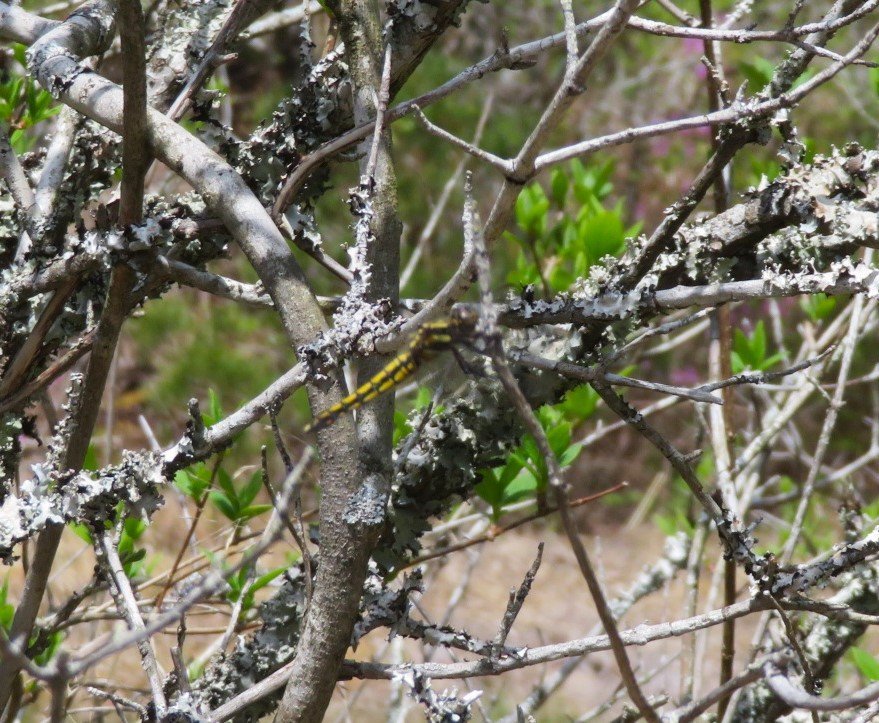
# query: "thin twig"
(106, 552)
(750, 674)
(588, 374)
(497, 530)
(190, 533)
(381, 107)
(556, 483)
(796, 697)
(848, 349)
(136, 156)
(298, 537)
(517, 599)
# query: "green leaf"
(226, 483)
(666, 525)
(671, 524)
(549, 416)
(423, 397)
(524, 273)
(559, 437)
(602, 234)
(874, 80)
(591, 184)
(20, 141)
(509, 471)
(518, 456)
(580, 403)
(584, 183)
(872, 509)
(490, 490)
(7, 609)
(530, 449)
(772, 361)
(82, 532)
(749, 352)
(532, 206)
(570, 454)
(7, 613)
(192, 484)
(327, 9)
(559, 185)
(819, 306)
(266, 578)
(737, 364)
(248, 513)
(215, 411)
(525, 485)
(758, 341)
(196, 669)
(134, 527)
(133, 566)
(52, 643)
(501, 485)
(19, 52)
(38, 104)
(250, 490)
(224, 505)
(236, 584)
(866, 664)
(758, 72)
(401, 426)
(213, 558)
(91, 463)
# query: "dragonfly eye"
(464, 317)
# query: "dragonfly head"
(462, 321)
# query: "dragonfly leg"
(467, 367)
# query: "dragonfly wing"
(429, 339)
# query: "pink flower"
(687, 376)
(693, 46)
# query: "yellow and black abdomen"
(431, 338)
(400, 368)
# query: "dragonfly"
(430, 339)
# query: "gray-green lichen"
(188, 29)
(56, 497)
(445, 707)
(317, 106)
(254, 658)
(442, 465)
(824, 642)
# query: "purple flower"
(686, 376)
